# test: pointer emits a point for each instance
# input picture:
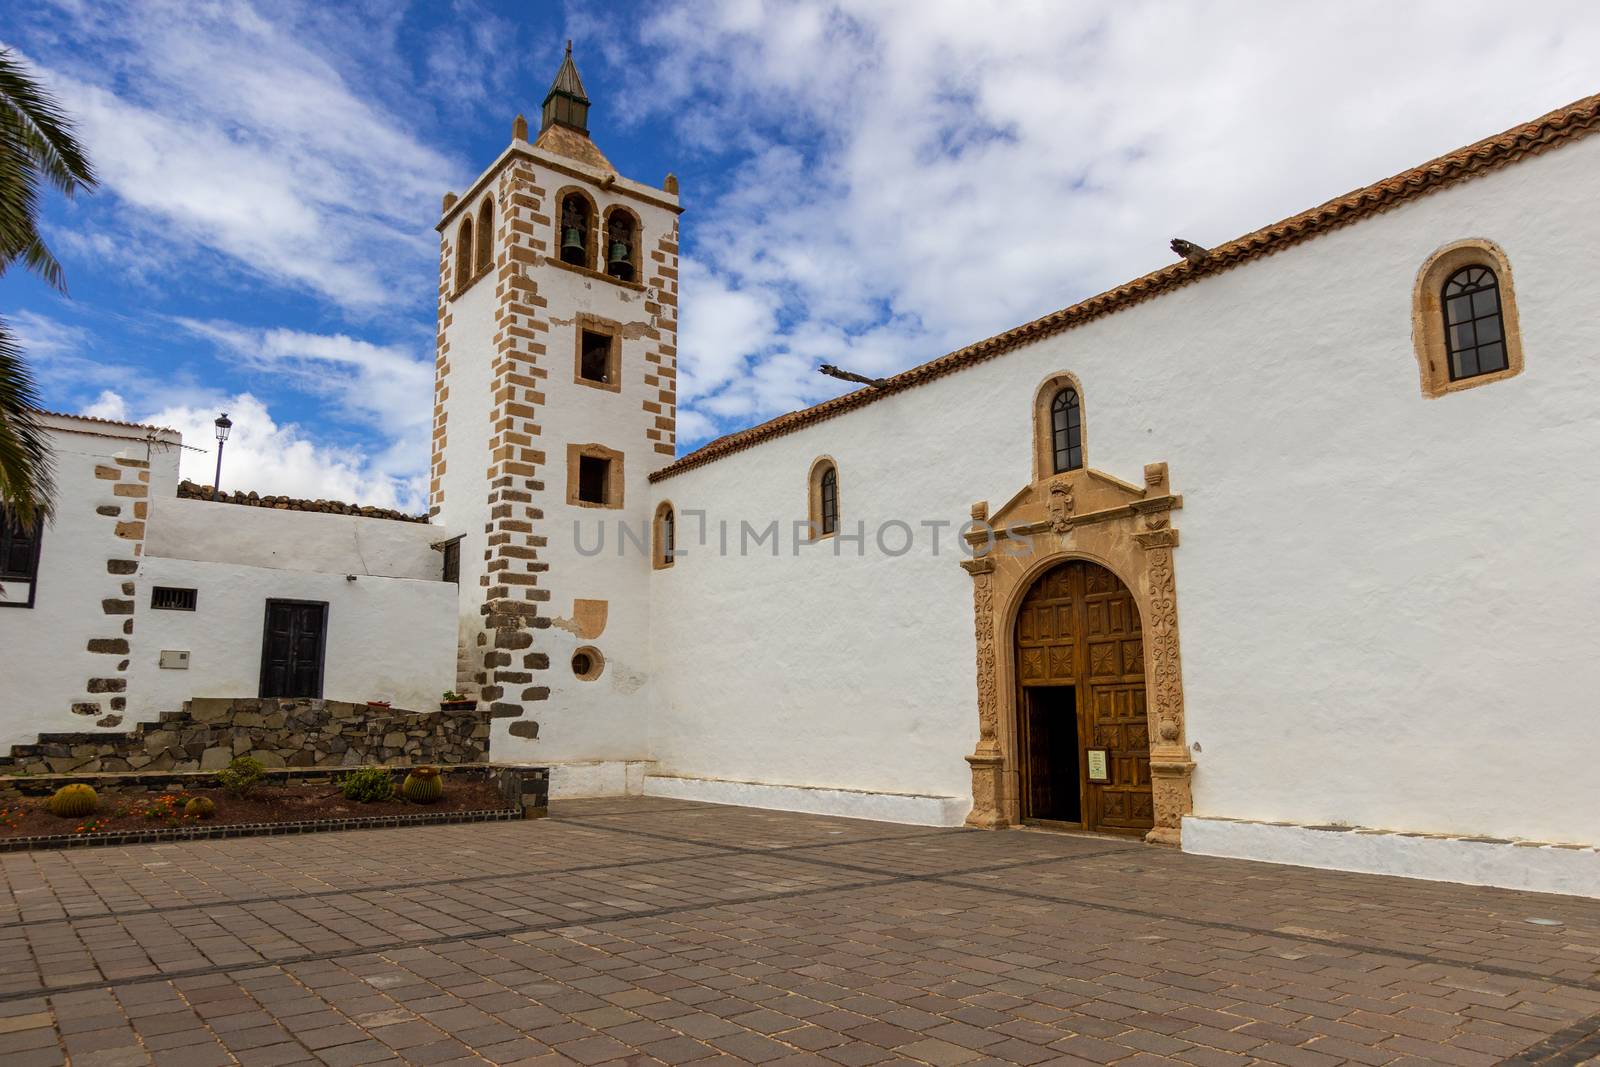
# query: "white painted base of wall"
(1543, 868)
(915, 809)
(598, 778)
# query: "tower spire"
(566, 104)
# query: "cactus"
(422, 786)
(74, 801)
(200, 808)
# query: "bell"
(617, 264)
(571, 242)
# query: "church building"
(1270, 553)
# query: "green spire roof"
(565, 104)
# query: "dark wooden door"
(1051, 753)
(1079, 627)
(293, 648)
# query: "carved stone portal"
(1081, 514)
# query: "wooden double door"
(293, 648)
(1083, 738)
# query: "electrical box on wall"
(174, 660)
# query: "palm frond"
(27, 477)
(36, 145)
(56, 147)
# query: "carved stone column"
(1170, 766)
(988, 770)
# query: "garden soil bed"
(268, 804)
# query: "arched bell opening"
(577, 230)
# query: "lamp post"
(223, 424)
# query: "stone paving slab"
(661, 931)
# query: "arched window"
(1066, 431)
(1058, 427)
(464, 254)
(666, 537)
(1475, 332)
(622, 245)
(577, 230)
(823, 498)
(1464, 318)
(830, 501)
(485, 257)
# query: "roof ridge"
(108, 422)
(1552, 129)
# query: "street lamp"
(223, 424)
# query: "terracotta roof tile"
(108, 422)
(1569, 123)
(565, 141)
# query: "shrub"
(367, 785)
(199, 808)
(74, 801)
(450, 696)
(241, 777)
(422, 786)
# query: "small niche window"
(169, 598)
(1474, 329)
(19, 560)
(594, 476)
(665, 540)
(464, 254)
(594, 357)
(1066, 431)
(593, 473)
(824, 498)
(577, 230)
(587, 663)
(1464, 318)
(622, 239)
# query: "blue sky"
(869, 184)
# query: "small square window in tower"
(594, 472)
(595, 364)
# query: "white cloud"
(386, 389)
(271, 457)
(43, 338)
(220, 130)
(108, 405)
(913, 175)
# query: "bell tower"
(555, 398)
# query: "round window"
(587, 663)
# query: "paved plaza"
(641, 931)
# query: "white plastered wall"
(1385, 600)
(45, 664)
(391, 630)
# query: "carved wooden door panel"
(1079, 626)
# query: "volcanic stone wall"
(280, 732)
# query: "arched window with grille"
(1475, 333)
(1058, 426)
(1464, 318)
(665, 541)
(464, 254)
(830, 501)
(1066, 431)
(485, 253)
(823, 498)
